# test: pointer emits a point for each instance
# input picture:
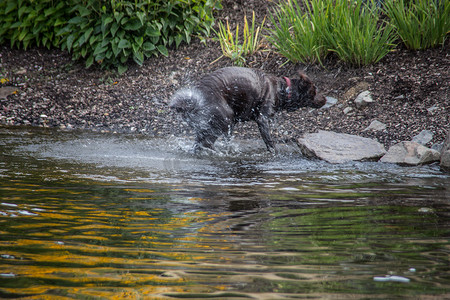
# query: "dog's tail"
(186, 99)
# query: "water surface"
(103, 216)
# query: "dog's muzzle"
(319, 101)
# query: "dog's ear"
(303, 77)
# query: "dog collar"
(288, 89)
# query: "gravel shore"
(411, 90)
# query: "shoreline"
(410, 91)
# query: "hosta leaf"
(133, 24)
(89, 61)
(163, 50)
(122, 69)
(124, 44)
(114, 28)
(12, 5)
(77, 20)
(138, 58)
(99, 49)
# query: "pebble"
(21, 71)
(394, 278)
(376, 125)
(348, 110)
(425, 210)
(432, 109)
(363, 99)
(330, 102)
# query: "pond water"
(87, 215)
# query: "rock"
(6, 91)
(363, 99)
(410, 153)
(432, 109)
(348, 110)
(21, 71)
(424, 137)
(445, 156)
(330, 102)
(376, 125)
(355, 90)
(438, 146)
(339, 147)
(445, 161)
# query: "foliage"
(298, 36)
(357, 36)
(107, 32)
(232, 47)
(26, 22)
(420, 24)
(351, 29)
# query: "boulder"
(445, 154)
(339, 147)
(410, 153)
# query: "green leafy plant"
(420, 24)
(351, 29)
(238, 47)
(26, 23)
(358, 36)
(297, 35)
(109, 33)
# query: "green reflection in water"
(65, 237)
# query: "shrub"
(106, 32)
(420, 24)
(27, 23)
(351, 29)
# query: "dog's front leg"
(264, 129)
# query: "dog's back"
(233, 89)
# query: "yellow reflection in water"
(84, 248)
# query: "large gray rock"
(410, 153)
(445, 154)
(339, 147)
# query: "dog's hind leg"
(204, 139)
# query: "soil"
(411, 90)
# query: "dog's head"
(301, 92)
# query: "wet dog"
(220, 99)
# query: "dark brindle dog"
(220, 99)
